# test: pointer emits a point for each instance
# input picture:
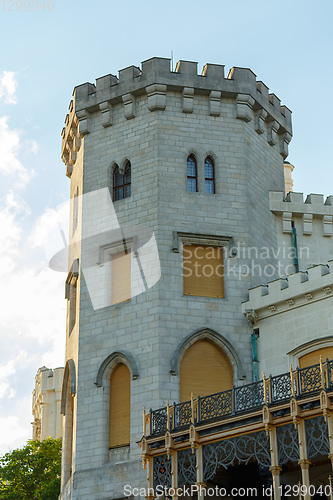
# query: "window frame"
(192, 156)
(124, 185)
(106, 252)
(219, 278)
(211, 160)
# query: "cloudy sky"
(49, 47)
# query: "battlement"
(295, 203)
(312, 208)
(156, 71)
(296, 290)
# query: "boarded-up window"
(120, 387)
(120, 277)
(313, 358)
(203, 271)
(204, 370)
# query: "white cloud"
(7, 371)
(10, 147)
(32, 322)
(8, 86)
(12, 434)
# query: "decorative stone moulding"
(288, 293)
(293, 205)
(71, 139)
(252, 99)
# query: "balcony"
(282, 425)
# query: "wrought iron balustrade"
(244, 399)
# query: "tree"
(32, 472)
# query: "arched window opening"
(122, 183)
(209, 176)
(120, 387)
(204, 370)
(313, 357)
(192, 184)
(68, 441)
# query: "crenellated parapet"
(253, 102)
(313, 208)
(297, 290)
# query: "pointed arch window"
(192, 184)
(122, 183)
(120, 390)
(209, 175)
(204, 370)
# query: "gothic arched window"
(209, 175)
(192, 174)
(120, 395)
(122, 183)
(204, 370)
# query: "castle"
(191, 274)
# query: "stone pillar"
(275, 469)
(304, 462)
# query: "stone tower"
(188, 161)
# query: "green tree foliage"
(32, 472)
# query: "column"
(330, 434)
(200, 482)
(174, 473)
(304, 462)
(150, 479)
(275, 469)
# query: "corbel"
(129, 105)
(106, 112)
(307, 223)
(286, 222)
(84, 122)
(259, 120)
(328, 225)
(244, 104)
(272, 129)
(188, 94)
(156, 97)
(251, 316)
(215, 103)
(284, 143)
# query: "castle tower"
(170, 178)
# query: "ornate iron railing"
(299, 383)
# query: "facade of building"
(46, 400)
(178, 210)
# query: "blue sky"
(45, 53)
